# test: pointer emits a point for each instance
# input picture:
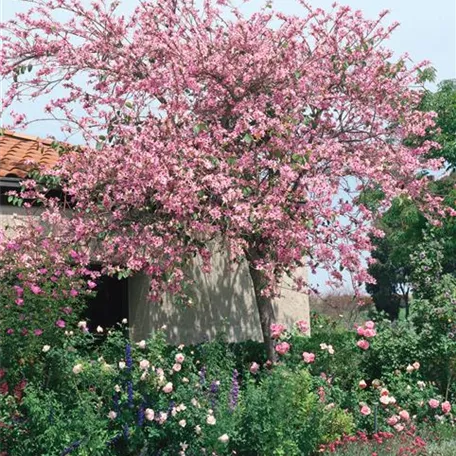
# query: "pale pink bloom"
(360, 331)
(211, 420)
(46, 348)
(363, 344)
(384, 392)
(224, 438)
(99, 329)
(385, 400)
(446, 407)
(392, 420)
(168, 388)
(254, 367)
(122, 365)
(433, 403)
(179, 358)
(421, 385)
(416, 365)
(162, 417)
(141, 344)
(149, 414)
(177, 367)
(409, 369)
(197, 429)
(369, 324)
(282, 348)
(112, 415)
(392, 400)
(323, 346)
(302, 326)
(91, 284)
(117, 388)
(182, 423)
(77, 369)
(331, 350)
(399, 427)
(362, 384)
(404, 415)
(181, 408)
(60, 323)
(308, 357)
(277, 330)
(365, 410)
(144, 364)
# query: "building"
(222, 300)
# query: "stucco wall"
(13, 216)
(222, 300)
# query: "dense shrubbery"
(66, 389)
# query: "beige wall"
(222, 300)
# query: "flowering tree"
(260, 132)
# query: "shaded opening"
(110, 305)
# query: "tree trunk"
(264, 305)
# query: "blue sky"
(427, 32)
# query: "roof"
(20, 153)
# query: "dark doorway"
(110, 305)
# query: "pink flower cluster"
(277, 330)
(368, 331)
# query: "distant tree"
(404, 225)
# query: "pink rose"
(254, 368)
(399, 427)
(302, 326)
(360, 331)
(179, 358)
(144, 364)
(282, 348)
(433, 403)
(168, 388)
(404, 415)
(277, 330)
(446, 407)
(369, 324)
(60, 323)
(363, 344)
(362, 384)
(365, 410)
(370, 333)
(177, 367)
(392, 420)
(416, 365)
(35, 289)
(308, 357)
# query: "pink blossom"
(179, 358)
(446, 407)
(60, 323)
(363, 344)
(168, 388)
(433, 403)
(144, 364)
(282, 348)
(369, 324)
(399, 427)
(177, 367)
(254, 367)
(369, 333)
(392, 420)
(277, 330)
(416, 365)
(404, 415)
(308, 357)
(35, 289)
(19, 301)
(365, 410)
(67, 310)
(302, 326)
(73, 293)
(362, 384)
(91, 284)
(360, 331)
(38, 332)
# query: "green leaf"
(199, 127)
(248, 138)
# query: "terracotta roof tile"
(20, 153)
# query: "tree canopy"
(205, 124)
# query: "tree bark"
(264, 305)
